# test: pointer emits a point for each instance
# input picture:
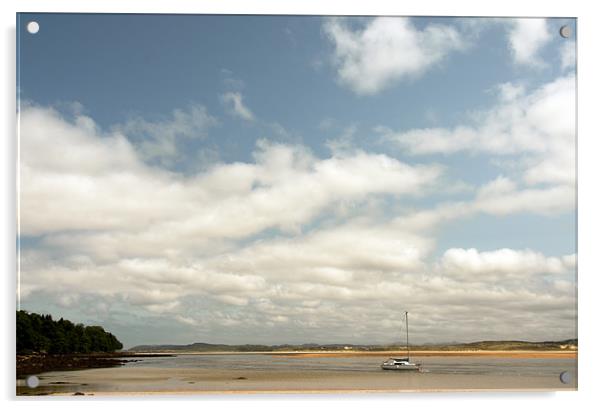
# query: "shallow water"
(441, 365)
(259, 372)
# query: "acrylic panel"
(229, 203)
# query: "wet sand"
(140, 380)
(475, 373)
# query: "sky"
(292, 179)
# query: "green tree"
(40, 333)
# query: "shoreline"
(477, 353)
(206, 381)
(389, 353)
(33, 364)
(177, 392)
(41, 363)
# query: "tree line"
(40, 333)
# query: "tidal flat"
(310, 373)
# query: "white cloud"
(568, 55)
(537, 128)
(343, 143)
(332, 294)
(507, 199)
(498, 265)
(510, 92)
(499, 197)
(186, 320)
(233, 101)
(387, 50)
(230, 81)
(526, 37)
(260, 248)
(539, 122)
(355, 251)
(158, 140)
(74, 178)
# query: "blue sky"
(442, 148)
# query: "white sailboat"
(402, 364)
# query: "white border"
(589, 69)
(374, 7)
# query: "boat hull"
(400, 367)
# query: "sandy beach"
(338, 376)
(137, 380)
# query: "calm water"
(441, 365)
(227, 372)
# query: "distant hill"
(204, 347)
(504, 346)
(472, 346)
(201, 347)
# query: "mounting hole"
(565, 31)
(33, 27)
(32, 381)
(565, 377)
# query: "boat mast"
(407, 337)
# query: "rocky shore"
(37, 363)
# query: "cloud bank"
(287, 247)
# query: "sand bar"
(479, 353)
(143, 380)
